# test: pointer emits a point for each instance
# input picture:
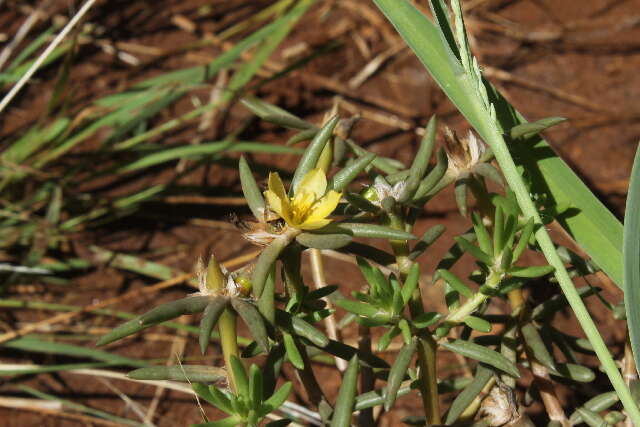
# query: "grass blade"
(632, 259)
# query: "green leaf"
(537, 347)
(386, 338)
(255, 385)
(525, 235)
(499, 238)
(482, 235)
(631, 251)
(531, 271)
(357, 307)
(470, 392)
(574, 372)
(267, 257)
(324, 241)
(250, 189)
(591, 418)
(429, 236)
(183, 373)
(124, 330)
(311, 155)
(527, 130)
(425, 320)
(375, 278)
(373, 231)
(474, 251)
(375, 398)
(292, 351)
(308, 331)
(254, 321)
(482, 354)
(432, 182)
(209, 319)
(343, 178)
(411, 283)
(456, 283)
(398, 372)
(173, 309)
(274, 114)
(240, 376)
(477, 323)
(420, 162)
(596, 404)
(277, 399)
(346, 396)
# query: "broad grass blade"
(632, 259)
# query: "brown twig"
(45, 407)
(320, 281)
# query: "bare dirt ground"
(572, 58)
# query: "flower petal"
(323, 207)
(314, 182)
(276, 185)
(275, 203)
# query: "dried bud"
(463, 154)
(215, 280)
(500, 407)
(383, 191)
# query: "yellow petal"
(323, 207)
(314, 182)
(312, 225)
(275, 203)
(276, 185)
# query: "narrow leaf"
(343, 178)
(254, 321)
(312, 153)
(173, 309)
(631, 251)
(483, 354)
(240, 376)
(374, 231)
(529, 129)
(250, 189)
(470, 392)
(456, 283)
(183, 373)
(324, 241)
(346, 396)
(398, 372)
(292, 351)
(209, 319)
(474, 251)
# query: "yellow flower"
(310, 205)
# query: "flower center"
(301, 206)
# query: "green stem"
(227, 327)
(459, 314)
(427, 347)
